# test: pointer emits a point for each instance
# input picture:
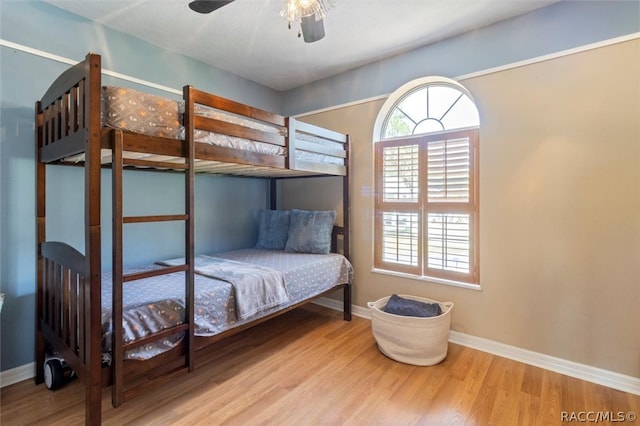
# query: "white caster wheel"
(54, 376)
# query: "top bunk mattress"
(153, 115)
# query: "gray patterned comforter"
(153, 304)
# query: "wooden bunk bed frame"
(68, 298)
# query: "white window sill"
(423, 278)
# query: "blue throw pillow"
(310, 231)
(273, 229)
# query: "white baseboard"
(588, 373)
(569, 368)
(18, 374)
(580, 371)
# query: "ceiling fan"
(208, 6)
(309, 13)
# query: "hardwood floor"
(308, 367)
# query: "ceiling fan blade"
(208, 6)
(312, 30)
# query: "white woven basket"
(411, 340)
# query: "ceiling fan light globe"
(312, 29)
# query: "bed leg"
(347, 302)
(93, 400)
(40, 355)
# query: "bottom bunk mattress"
(231, 289)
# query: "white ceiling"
(249, 38)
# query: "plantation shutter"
(398, 221)
(426, 182)
(449, 181)
(426, 205)
(448, 170)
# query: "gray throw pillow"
(273, 229)
(310, 231)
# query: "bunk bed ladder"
(119, 277)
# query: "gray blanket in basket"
(411, 308)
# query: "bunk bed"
(79, 122)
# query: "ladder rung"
(154, 164)
(155, 336)
(159, 218)
(155, 272)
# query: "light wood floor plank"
(308, 367)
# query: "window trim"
(471, 280)
(422, 207)
(435, 280)
(404, 90)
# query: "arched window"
(426, 178)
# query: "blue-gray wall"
(25, 77)
(560, 26)
(224, 206)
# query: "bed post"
(346, 202)
(93, 326)
(40, 238)
(117, 355)
(273, 194)
(189, 150)
(290, 161)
